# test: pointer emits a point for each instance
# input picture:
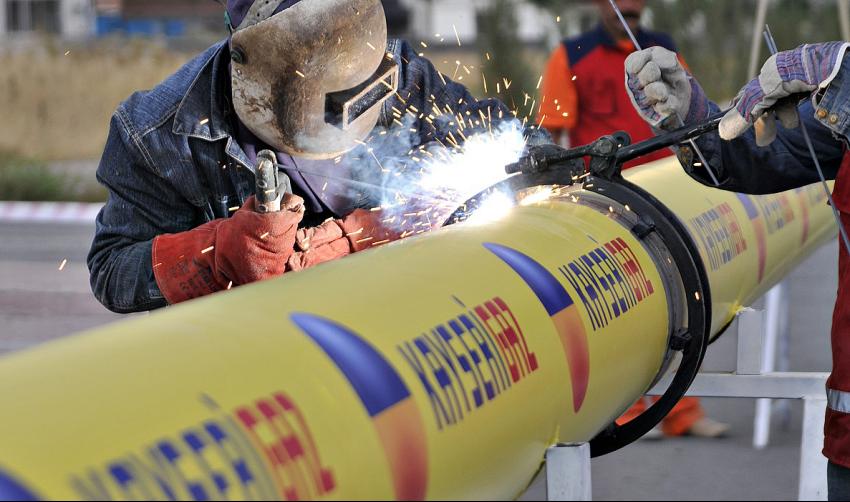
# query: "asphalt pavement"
(40, 302)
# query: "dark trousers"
(838, 482)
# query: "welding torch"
(272, 184)
(608, 153)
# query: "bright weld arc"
(771, 44)
(690, 141)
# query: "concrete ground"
(38, 302)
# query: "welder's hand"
(246, 248)
(337, 238)
(662, 91)
(785, 78)
(362, 229)
(319, 254)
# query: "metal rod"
(844, 19)
(755, 48)
(669, 139)
(679, 119)
(771, 44)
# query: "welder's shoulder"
(419, 79)
(147, 110)
(412, 66)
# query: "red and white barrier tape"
(49, 212)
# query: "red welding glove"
(246, 248)
(335, 239)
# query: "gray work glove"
(662, 92)
(784, 79)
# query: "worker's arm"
(141, 205)
(153, 247)
(559, 106)
(661, 89)
(743, 166)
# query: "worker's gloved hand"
(662, 91)
(246, 248)
(337, 238)
(785, 78)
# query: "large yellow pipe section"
(747, 243)
(440, 368)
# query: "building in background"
(413, 19)
(179, 18)
(150, 18)
(536, 25)
(67, 18)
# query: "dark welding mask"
(310, 80)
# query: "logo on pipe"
(720, 235)
(385, 397)
(563, 311)
(609, 281)
(760, 230)
(263, 451)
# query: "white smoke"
(427, 185)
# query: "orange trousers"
(677, 422)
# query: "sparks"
(62, 265)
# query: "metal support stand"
(568, 472)
(749, 381)
(774, 358)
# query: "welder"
(312, 81)
(760, 148)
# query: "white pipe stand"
(568, 472)
(748, 381)
(777, 320)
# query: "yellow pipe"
(747, 243)
(441, 367)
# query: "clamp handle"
(271, 183)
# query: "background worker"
(773, 157)
(179, 161)
(585, 98)
(584, 95)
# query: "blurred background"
(66, 64)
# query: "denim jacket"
(742, 166)
(172, 163)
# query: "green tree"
(509, 75)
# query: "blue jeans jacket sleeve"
(139, 204)
(742, 166)
(439, 100)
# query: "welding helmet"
(309, 77)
